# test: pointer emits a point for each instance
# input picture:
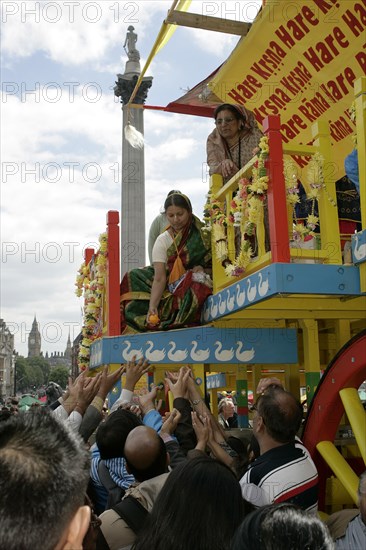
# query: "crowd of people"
(153, 482)
(72, 477)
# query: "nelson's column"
(133, 238)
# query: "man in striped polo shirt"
(284, 471)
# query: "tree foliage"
(60, 375)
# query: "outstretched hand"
(108, 381)
(134, 371)
(147, 400)
(171, 422)
(178, 382)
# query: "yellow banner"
(300, 61)
(165, 34)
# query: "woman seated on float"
(171, 293)
(233, 142)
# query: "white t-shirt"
(162, 243)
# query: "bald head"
(281, 413)
(145, 453)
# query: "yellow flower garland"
(315, 178)
(90, 283)
(246, 208)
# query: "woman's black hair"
(238, 114)
(280, 526)
(178, 199)
(200, 506)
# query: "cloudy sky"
(61, 140)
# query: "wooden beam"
(208, 23)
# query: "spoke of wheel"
(340, 467)
(356, 416)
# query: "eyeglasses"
(220, 121)
(253, 407)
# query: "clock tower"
(34, 340)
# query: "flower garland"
(245, 210)
(90, 282)
(315, 178)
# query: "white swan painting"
(263, 286)
(206, 313)
(240, 296)
(176, 355)
(359, 251)
(222, 305)
(223, 354)
(199, 354)
(214, 309)
(246, 355)
(156, 355)
(128, 354)
(230, 301)
(252, 291)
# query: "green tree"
(60, 375)
(43, 364)
(22, 382)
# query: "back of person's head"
(199, 506)
(145, 453)
(281, 413)
(112, 433)
(44, 470)
(282, 526)
(179, 200)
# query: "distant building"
(56, 358)
(34, 340)
(7, 361)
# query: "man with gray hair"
(44, 469)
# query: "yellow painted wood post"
(356, 416)
(311, 356)
(256, 376)
(343, 332)
(292, 379)
(199, 372)
(215, 185)
(327, 201)
(360, 104)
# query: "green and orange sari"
(177, 309)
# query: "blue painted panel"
(336, 280)
(359, 247)
(292, 278)
(245, 292)
(216, 381)
(204, 344)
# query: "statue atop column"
(126, 82)
(131, 39)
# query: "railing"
(280, 218)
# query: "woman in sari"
(233, 142)
(171, 293)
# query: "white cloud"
(49, 216)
